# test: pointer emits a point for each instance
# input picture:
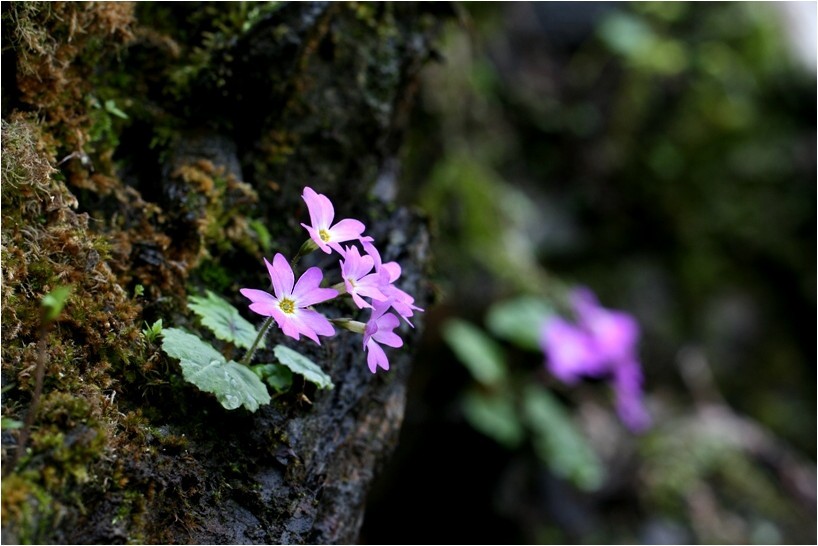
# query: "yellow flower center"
(288, 306)
(324, 234)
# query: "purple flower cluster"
(363, 276)
(601, 343)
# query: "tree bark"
(167, 148)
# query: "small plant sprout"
(54, 301)
(361, 276)
(152, 331)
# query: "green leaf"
(224, 320)
(233, 384)
(277, 376)
(152, 331)
(480, 354)
(558, 442)
(263, 234)
(54, 301)
(494, 415)
(112, 108)
(300, 364)
(6, 423)
(519, 320)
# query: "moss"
(29, 507)
(45, 244)
(58, 46)
(218, 199)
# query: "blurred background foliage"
(664, 155)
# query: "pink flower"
(321, 215)
(355, 270)
(400, 301)
(627, 382)
(289, 305)
(379, 330)
(602, 342)
(615, 333)
(570, 351)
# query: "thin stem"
(35, 399)
(264, 327)
(308, 247)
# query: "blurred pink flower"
(602, 342)
(288, 306)
(326, 235)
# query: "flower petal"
(320, 208)
(308, 282)
(354, 265)
(376, 357)
(393, 269)
(283, 273)
(629, 402)
(311, 323)
(317, 322)
(257, 296)
(346, 230)
(385, 335)
(359, 301)
(317, 295)
(266, 309)
(369, 247)
(570, 350)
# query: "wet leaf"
(233, 384)
(224, 320)
(300, 364)
(277, 376)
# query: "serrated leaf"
(557, 441)
(224, 320)
(477, 351)
(494, 415)
(277, 376)
(300, 364)
(233, 384)
(519, 320)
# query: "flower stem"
(264, 327)
(308, 246)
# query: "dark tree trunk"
(231, 110)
